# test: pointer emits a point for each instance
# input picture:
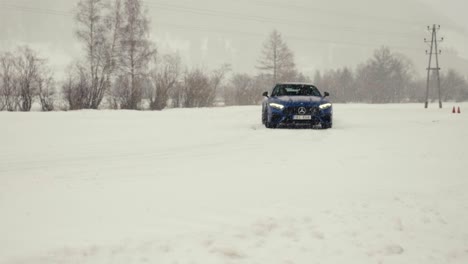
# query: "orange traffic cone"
(453, 110)
(459, 111)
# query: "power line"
(291, 6)
(215, 30)
(37, 10)
(306, 24)
(262, 19)
(300, 38)
(335, 12)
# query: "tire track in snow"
(120, 160)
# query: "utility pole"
(433, 51)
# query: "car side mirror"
(265, 94)
(326, 94)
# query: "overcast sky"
(322, 33)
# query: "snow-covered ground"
(389, 184)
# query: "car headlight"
(277, 106)
(325, 106)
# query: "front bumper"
(285, 117)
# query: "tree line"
(389, 78)
(121, 68)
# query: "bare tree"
(120, 92)
(8, 89)
(199, 88)
(136, 50)
(455, 86)
(195, 89)
(340, 83)
(164, 78)
(75, 88)
(347, 83)
(277, 59)
(241, 90)
(2, 101)
(47, 95)
(416, 91)
(385, 78)
(98, 28)
(23, 77)
(28, 66)
(176, 95)
(216, 81)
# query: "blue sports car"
(297, 105)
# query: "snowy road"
(387, 185)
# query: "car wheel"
(327, 125)
(264, 117)
(265, 120)
(269, 125)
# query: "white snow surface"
(388, 184)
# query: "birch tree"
(136, 51)
(99, 24)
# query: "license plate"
(302, 117)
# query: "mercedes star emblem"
(302, 110)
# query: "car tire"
(269, 125)
(265, 120)
(327, 125)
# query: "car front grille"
(295, 111)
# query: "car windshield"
(295, 90)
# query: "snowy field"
(389, 184)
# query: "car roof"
(295, 83)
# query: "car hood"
(298, 100)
